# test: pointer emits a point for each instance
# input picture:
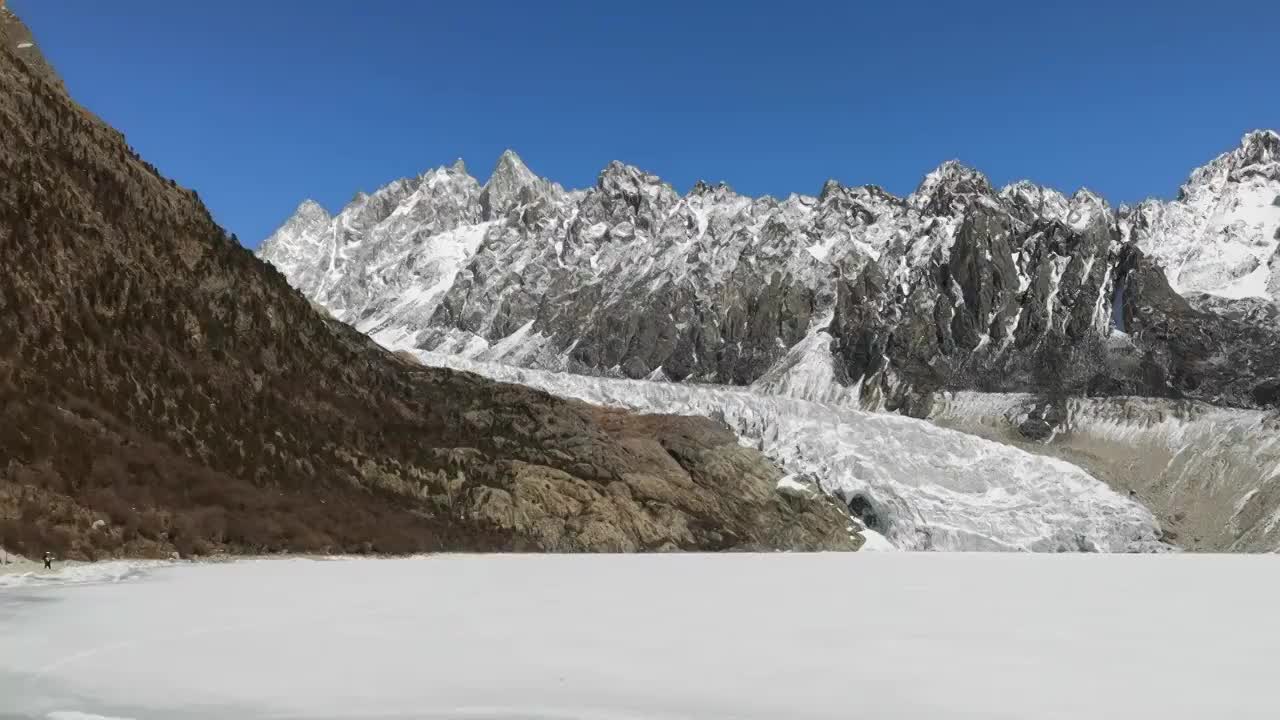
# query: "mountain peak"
(510, 162)
(1258, 152)
(956, 171)
(1086, 196)
(829, 188)
(307, 221)
(1259, 147)
(510, 171)
(950, 180)
(619, 172)
(617, 175)
(704, 189)
(617, 167)
(1030, 200)
(310, 208)
(511, 184)
(1022, 187)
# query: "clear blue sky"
(260, 103)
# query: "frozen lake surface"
(871, 635)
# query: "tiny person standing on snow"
(48, 561)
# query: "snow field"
(825, 636)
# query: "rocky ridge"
(853, 293)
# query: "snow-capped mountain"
(627, 277)
(853, 292)
(384, 262)
(1220, 236)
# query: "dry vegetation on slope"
(161, 388)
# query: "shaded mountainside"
(958, 286)
(160, 387)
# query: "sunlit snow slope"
(923, 487)
(1221, 235)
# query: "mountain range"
(959, 286)
(1131, 342)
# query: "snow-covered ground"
(875, 635)
(926, 487)
(28, 574)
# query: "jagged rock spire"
(512, 184)
(1260, 146)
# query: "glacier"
(921, 486)
(1210, 474)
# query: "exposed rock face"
(691, 485)
(959, 285)
(1059, 307)
(628, 277)
(157, 377)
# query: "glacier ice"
(921, 486)
(1211, 474)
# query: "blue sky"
(260, 103)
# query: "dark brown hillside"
(160, 387)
